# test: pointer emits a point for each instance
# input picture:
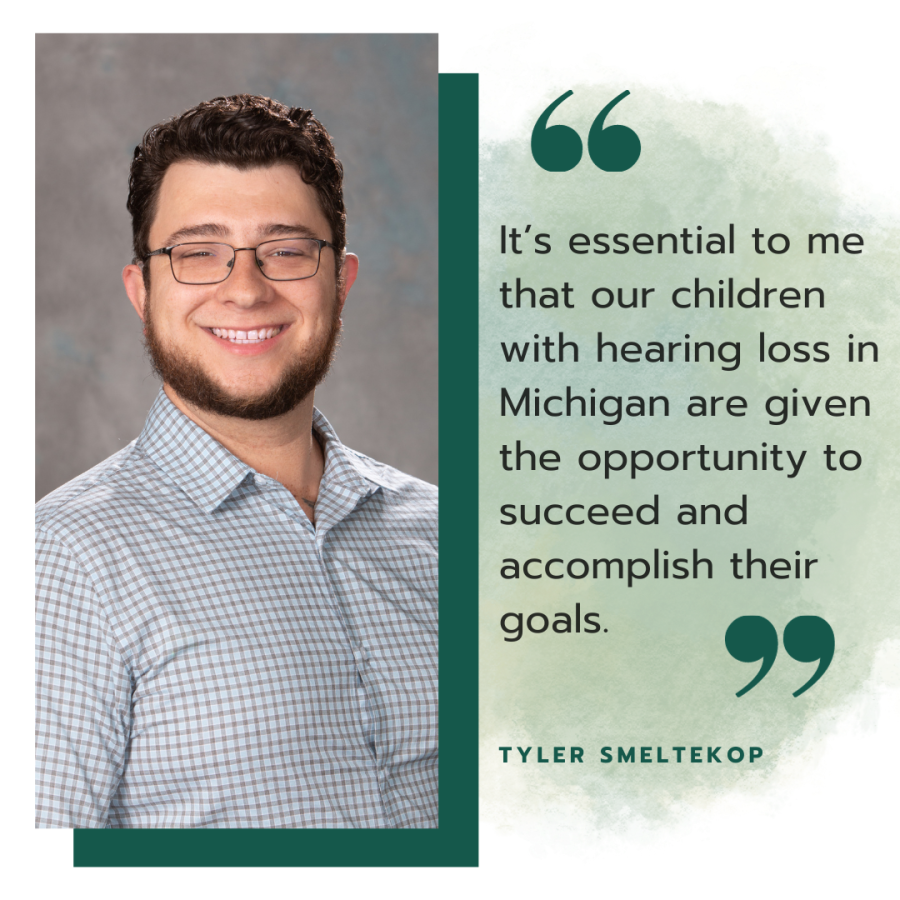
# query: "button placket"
(332, 507)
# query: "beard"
(193, 385)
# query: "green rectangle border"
(455, 842)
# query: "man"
(236, 614)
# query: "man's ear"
(349, 271)
(133, 279)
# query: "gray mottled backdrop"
(97, 94)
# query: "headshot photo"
(236, 411)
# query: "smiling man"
(237, 614)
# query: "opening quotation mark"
(806, 639)
(559, 148)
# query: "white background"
(800, 67)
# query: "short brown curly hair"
(245, 131)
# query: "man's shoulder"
(393, 480)
(399, 511)
(389, 477)
(396, 499)
(350, 463)
(91, 497)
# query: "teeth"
(246, 337)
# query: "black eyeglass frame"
(167, 251)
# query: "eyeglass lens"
(207, 263)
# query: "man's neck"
(284, 448)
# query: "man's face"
(284, 332)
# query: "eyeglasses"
(288, 259)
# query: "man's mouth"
(253, 336)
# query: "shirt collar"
(346, 466)
(208, 473)
(196, 462)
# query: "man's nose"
(246, 285)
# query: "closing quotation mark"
(806, 639)
(558, 148)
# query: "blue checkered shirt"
(207, 657)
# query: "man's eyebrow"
(207, 229)
(278, 229)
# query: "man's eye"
(204, 251)
(291, 251)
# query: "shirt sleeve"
(83, 692)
